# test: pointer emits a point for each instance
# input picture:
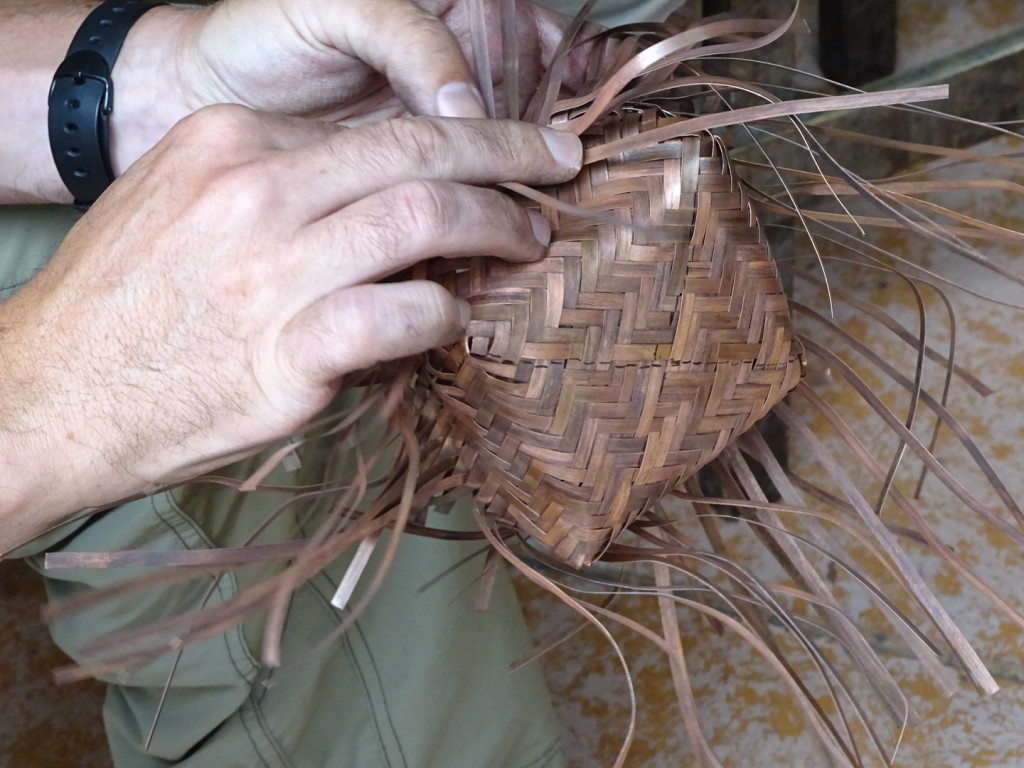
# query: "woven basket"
(627, 359)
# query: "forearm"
(34, 37)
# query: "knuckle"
(503, 142)
(425, 209)
(422, 142)
(499, 145)
(245, 191)
(374, 233)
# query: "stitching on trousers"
(249, 707)
(349, 649)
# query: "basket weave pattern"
(600, 377)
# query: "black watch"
(82, 98)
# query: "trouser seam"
(545, 757)
(347, 641)
(226, 582)
(226, 586)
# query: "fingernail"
(465, 311)
(459, 99)
(565, 147)
(541, 227)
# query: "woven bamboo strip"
(630, 357)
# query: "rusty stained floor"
(42, 726)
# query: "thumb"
(418, 54)
(357, 327)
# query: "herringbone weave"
(594, 381)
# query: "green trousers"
(420, 680)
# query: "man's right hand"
(212, 298)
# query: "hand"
(330, 59)
(344, 60)
(182, 325)
(336, 60)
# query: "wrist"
(149, 92)
(149, 96)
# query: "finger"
(420, 57)
(370, 158)
(358, 327)
(414, 221)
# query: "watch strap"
(82, 99)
